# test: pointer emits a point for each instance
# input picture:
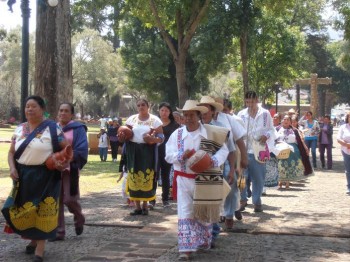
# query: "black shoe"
(166, 204)
(238, 215)
(38, 259)
(212, 245)
(144, 212)
(136, 212)
(55, 239)
(79, 230)
(242, 207)
(30, 249)
(258, 208)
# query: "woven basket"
(284, 154)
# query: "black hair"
(167, 105)
(143, 100)
(37, 99)
(250, 94)
(309, 112)
(327, 116)
(70, 105)
(227, 103)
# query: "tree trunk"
(243, 40)
(53, 57)
(182, 88)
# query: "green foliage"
(278, 56)
(97, 71)
(10, 71)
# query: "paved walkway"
(308, 222)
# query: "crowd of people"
(199, 152)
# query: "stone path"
(308, 222)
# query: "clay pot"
(128, 134)
(58, 159)
(199, 161)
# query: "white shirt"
(103, 140)
(344, 134)
(182, 140)
(140, 128)
(256, 127)
(38, 150)
(229, 121)
(103, 122)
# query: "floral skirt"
(291, 169)
(271, 178)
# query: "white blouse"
(140, 128)
(344, 134)
(287, 135)
(39, 149)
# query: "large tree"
(53, 56)
(175, 20)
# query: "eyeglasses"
(139, 105)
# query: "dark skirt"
(31, 210)
(141, 163)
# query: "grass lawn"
(96, 176)
(6, 133)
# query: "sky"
(10, 20)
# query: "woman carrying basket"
(297, 165)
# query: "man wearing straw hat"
(197, 208)
(215, 117)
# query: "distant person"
(276, 120)
(343, 139)
(113, 139)
(326, 142)
(103, 122)
(103, 144)
(311, 130)
(177, 116)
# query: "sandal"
(136, 212)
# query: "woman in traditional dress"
(75, 133)
(194, 232)
(141, 156)
(297, 165)
(343, 139)
(31, 210)
(271, 179)
(169, 126)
